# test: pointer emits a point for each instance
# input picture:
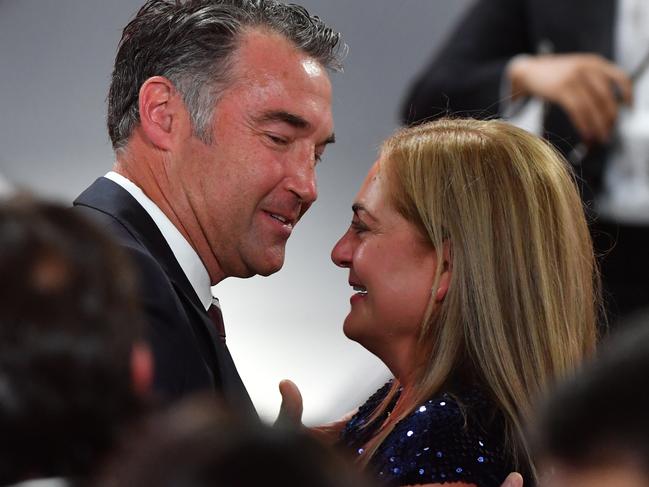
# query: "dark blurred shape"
(201, 444)
(68, 325)
(597, 424)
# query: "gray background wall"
(55, 62)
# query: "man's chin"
(269, 266)
(269, 272)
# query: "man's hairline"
(232, 78)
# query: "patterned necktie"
(214, 312)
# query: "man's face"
(249, 187)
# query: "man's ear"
(142, 370)
(163, 115)
(447, 272)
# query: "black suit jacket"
(188, 354)
(465, 77)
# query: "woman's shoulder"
(356, 431)
(451, 437)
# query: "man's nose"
(303, 179)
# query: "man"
(218, 111)
(74, 370)
(585, 60)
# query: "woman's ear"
(162, 112)
(447, 271)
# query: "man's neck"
(187, 258)
(151, 177)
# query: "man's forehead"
(266, 55)
(263, 48)
(282, 83)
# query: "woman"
(476, 285)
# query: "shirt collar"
(187, 258)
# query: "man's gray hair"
(191, 43)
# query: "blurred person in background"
(218, 112)
(594, 432)
(575, 72)
(475, 283)
(74, 369)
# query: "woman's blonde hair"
(523, 301)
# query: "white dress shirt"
(187, 258)
(625, 198)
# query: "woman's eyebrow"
(358, 207)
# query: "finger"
(290, 411)
(622, 82)
(602, 93)
(599, 124)
(514, 479)
(571, 102)
(585, 114)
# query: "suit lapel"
(108, 197)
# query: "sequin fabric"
(441, 441)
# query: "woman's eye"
(358, 227)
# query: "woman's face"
(391, 268)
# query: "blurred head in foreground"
(595, 430)
(198, 443)
(71, 361)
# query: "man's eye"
(275, 139)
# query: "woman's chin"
(351, 328)
(358, 332)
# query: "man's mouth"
(286, 221)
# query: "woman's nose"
(341, 254)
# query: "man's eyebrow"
(286, 117)
(292, 120)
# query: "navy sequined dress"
(449, 438)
